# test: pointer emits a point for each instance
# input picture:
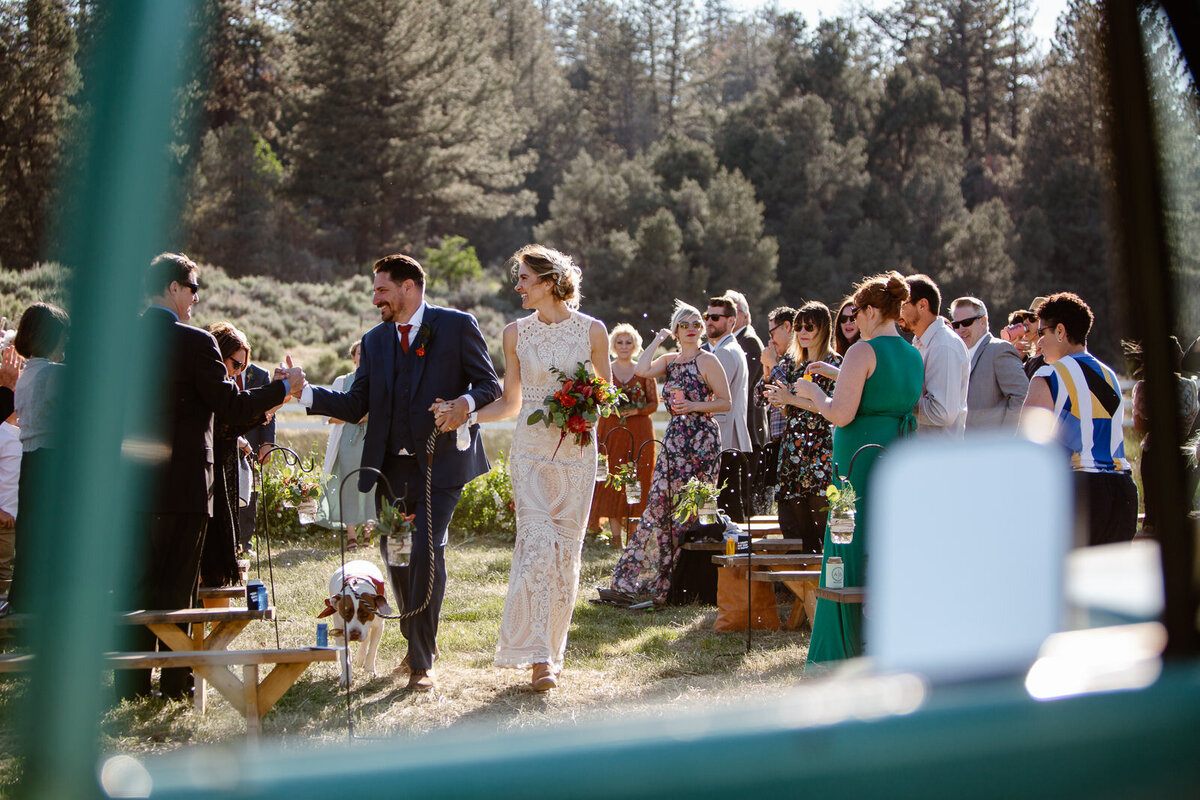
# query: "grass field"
(618, 663)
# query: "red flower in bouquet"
(577, 405)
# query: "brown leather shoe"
(421, 680)
(405, 668)
(543, 679)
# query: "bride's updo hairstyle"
(886, 291)
(550, 265)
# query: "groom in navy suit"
(419, 359)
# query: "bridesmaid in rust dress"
(633, 430)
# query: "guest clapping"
(695, 388)
(41, 339)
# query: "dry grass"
(618, 663)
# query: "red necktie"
(404, 329)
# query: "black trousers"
(411, 584)
(247, 517)
(168, 579)
(805, 518)
(1111, 503)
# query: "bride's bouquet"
(579, 403)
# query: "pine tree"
(404, 125)
(38, 79)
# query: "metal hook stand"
(604, 448)
(429, 449)
(290, 458)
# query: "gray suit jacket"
(734, 433)
(997, 386)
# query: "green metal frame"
(978, 740)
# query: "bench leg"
(796, 618)
(250, 700)
(228, 684)
(277, 682)
(198, 696)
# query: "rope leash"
(430, 446)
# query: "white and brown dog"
(356, 598)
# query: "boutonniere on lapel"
(422, 339)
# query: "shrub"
(486, 505)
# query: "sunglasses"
(715, 317)
(238, 366)
(777, 327)
(808, 327)
(194, 287)
(962, 323)
(685, 325)
(844, 318)
(1044, 328)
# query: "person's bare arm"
(509, 401)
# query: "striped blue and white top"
(1087, 400)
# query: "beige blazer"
(997, 386)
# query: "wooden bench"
(222, 592)
(756, 545)
(251, 696)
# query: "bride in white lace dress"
(552, 490)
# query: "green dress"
(885, 413)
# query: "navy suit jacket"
(455, 362)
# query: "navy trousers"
(410, 585)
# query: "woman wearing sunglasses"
(695, 387)
(806, 448)
(872, 404)
(218, 560)
(845, 333)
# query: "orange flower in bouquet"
(578, 405)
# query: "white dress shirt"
(10, 466)
(942, 409)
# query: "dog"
(356, 598)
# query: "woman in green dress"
(877, 389)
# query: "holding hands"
(449, 415)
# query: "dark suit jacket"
(254, 378)
(455, 362)
(179, 434)
(755, 418)
(6, 402)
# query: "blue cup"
(322, 634)
(256, 595)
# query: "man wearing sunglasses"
(997, 384)
(174, 445)
(942, 409)
(735, 435)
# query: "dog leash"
(430, 446)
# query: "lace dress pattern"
(552, 495)
(690, 447)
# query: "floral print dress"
(806, 448)
(691, 447)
